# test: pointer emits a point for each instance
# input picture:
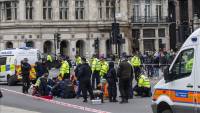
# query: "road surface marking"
(59, 103)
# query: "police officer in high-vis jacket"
(104, 68)
(49, 61)
(96, 66)
(136, 63)
(64, 70)
(143, 87)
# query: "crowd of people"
(96, 77)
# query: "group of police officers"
(96, 70)
(91, 73)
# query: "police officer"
(25, 67)
(104, 68)
(136, 62)
(125, 74)
(64, 70)
(84, 74)
(189, 65)
(143, 87)
(49, 61)
(112, 79)
(96, 66)
(78, 64)
(78, 60)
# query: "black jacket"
(125, 70)
(112, 75)
(84, 72)
(26, 67)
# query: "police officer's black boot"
(122, 101)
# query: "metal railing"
(150, 19)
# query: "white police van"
(10, 63)
(179, 91)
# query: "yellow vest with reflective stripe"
(49, 58)
(135, 61)
(189, 65)
(144, 81)
(96, 65)
(64, 69)
(78, 60)
(104, 68)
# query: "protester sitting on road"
(63, 89)
(143, 87)
(43, 86)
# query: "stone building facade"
(187, 18)
(80, 23)
(143, 24)
(150, 25)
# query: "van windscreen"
(2, 60)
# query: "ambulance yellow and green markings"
(4, 68)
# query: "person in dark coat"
(84, 75)
(25, 67)
(40, 69)
(125, 74)
(112, 79)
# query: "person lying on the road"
(143, 87)
(42, 86)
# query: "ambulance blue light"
(194, 39)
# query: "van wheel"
(12, 80)
(167, 111)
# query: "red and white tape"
(59, 103)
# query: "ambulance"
(10, 63)
(179, 90)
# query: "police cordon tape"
(59, 103)
(155, 64)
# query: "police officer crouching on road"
(125, 74)
(84, 75)
(143, 87)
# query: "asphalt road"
(14, 100)
(18, 100)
